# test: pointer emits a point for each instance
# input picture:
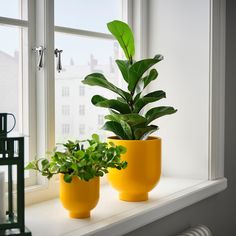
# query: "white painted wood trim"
(165, 207)
(45, 98)
(140, 28)
(84, 33)
(15, 22)
(27, 72)
(50, 75)
(217, 89)
(114, 217)
(30, 97)
(127, 11)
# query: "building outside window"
(65, 110)
(65, 129)
(81, 90)
(81, 110)
(65, 92)
(100, 120)
(81, 129)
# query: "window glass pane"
(13, 9)
(76, 117)
(10, 78)
(88, 15)
(13, 79)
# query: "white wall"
(179, 30)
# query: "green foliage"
(75, 160)
(126, 118)
(124, 35)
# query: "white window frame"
(28, 91)
(45, 105)
(136, 15)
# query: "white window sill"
(115, 217)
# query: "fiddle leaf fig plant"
(85, 163)
(126, 118)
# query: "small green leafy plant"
(75, 160)
(125, 118)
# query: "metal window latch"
(58, 52)
(40, 51)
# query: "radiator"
(199, 230)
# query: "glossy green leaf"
(151, 97)
(143, 133)
(124, 35)
(116, 128)
(68, 178)
(150, 77)
(158, 112)
(117, 105)
(137, 96)
(84, 163)
(97, 79)
(124, 68)
(137, 70)
(132, 119)
(127, 129)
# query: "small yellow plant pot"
(79, 197)
(143, 171)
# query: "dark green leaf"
(122, 32)
(121, 99)
(157, 112)
(67, 178)
(137, 70)
(127, 129)
(119, 106)
(132, 119)
(97, 79)
(152, 76)
(137, 96)
(45, 164)
(151, 97)
(116, 128)
(124, 69)
(143, 133)
(100, 173)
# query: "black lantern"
(12, 156)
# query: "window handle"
(58, 52)
(40, 51)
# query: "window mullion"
(15, 22)
(86, 33)
(45, 77)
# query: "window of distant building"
(65, 92)
(81, 110)
(81, 90)
(100, 120)
(81, 129)
(65, 110)
(65, 129)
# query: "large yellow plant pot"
(79, 197)
(143, 170)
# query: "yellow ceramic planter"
(143, 170)
(79, 197)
